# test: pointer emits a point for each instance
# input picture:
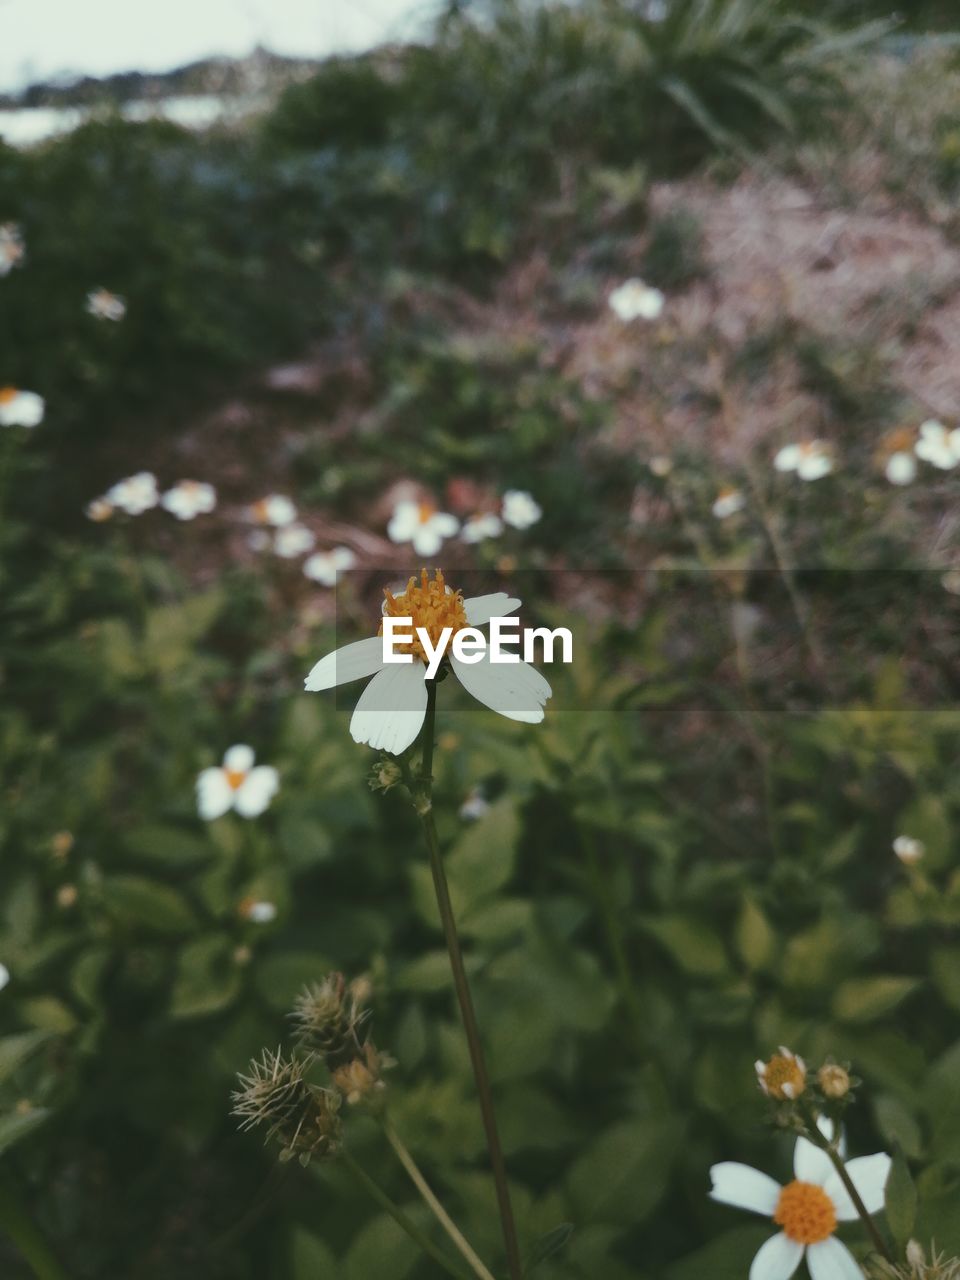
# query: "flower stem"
(879, 1243)
(17, 1224)
(420, 1182)
(423, 798)
(377, 1194)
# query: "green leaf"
(867, 999)
(623, 1175)
(310, 1258)
(728, 1257)
(694, 946)
(548, 1245)
(167, 844)
(207, 980)
(135, 900)
(15, 1050)
(483, 859)
(13, 1128)
(755, 939)
(900, 1200)
(381, 1249)
(280, 977)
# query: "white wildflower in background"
(104, 305)
(293, 540)
(135, 494)
(908, 850)
(390, 712)
(12, 251)
(901, 468)
(475, 806)
(98, 510)
(660, 465)
(520, 509)
(326, 566)
(937, 445)
(810, 459)
(20, 408)
(808, 1210)
(478, 528)
(422, 525)
(634, 300)
(275, 510)
(236, 784)
(190, 498)
(4, 976)
(727, 503)
(258, 912)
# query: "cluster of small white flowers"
(635, 300)
(139, 493)
(728, 502)
(426, 529)
(938, 445)
(104, 305)
(808, 459)
(279, 530)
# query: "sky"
(41, 39)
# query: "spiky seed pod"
(917, 1266)
(361, 1079)
(327, 1020)
(301, 1116)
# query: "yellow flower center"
(235, 778)
(429, 605)
(781, 1071)
(8, 395)
(425, 511)
(806, 1213)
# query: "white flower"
(728, 502)
(634, 300)
(474, 806)
(4, 976)
(105, 305)
(20, 408)
(660, 465)
(520, 509)
(258, 912)
(810, 459)
(237, 784)
(135, 494)
(275, 510)
(12, 252)
(483, 526)
(293, 540)
(808, 1209)
(390, 712)
(190, 498)
(908, 850)
(98, 510)
(937, 445)
(420, 524)
(784, 1076)
(325, 566)
(901, 468)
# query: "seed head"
(301, 1116)
(328, 1018)
(834, 1080)
(361, 1079)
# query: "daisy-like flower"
(293, 540)
(477, 528)
(808, 1210)
(422, 525)
(104, 305)
(810, 459)
(937, 445)
(901, 468)
(236, 784)
(275, 510)
(20, 408)
(475, 806)
(12, 251)
(727, 503)
(784, 1076)
(634, 300)
(189, 498)
(390, 712)
(520, 509)
(326, 566)
(4, 976)
(98, 510)
(908, 849)
(135, 494)
(258, 912)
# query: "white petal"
(744, 1188)
(901, 468)
(778, 1259)
(390, 712)
(815, 466)
(480, 609)
(214, 794)
(811, 1163)
(832, 1260)
(869, 1175)
(788, 458)
(426, 540)
(351, 662)
(404, 522)
(239, 759)
(516, 690)
(444, 524)
(256, 791)
(4, 976)
(343, 558)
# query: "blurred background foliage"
(685, 867)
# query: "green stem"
(424, 802)
(377, 1194)
(419, 1181)
(879, 1243)
(18, 1225)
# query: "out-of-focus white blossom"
(20, 408)
(634, 300)
(190, 498)
(325, 566)
(135, 494)
(520, 509)
(422, 525)
(810, 459)
(104, 305)
(478, 528)
(293, 540)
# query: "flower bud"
(784, 1077)
(834, 1080)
